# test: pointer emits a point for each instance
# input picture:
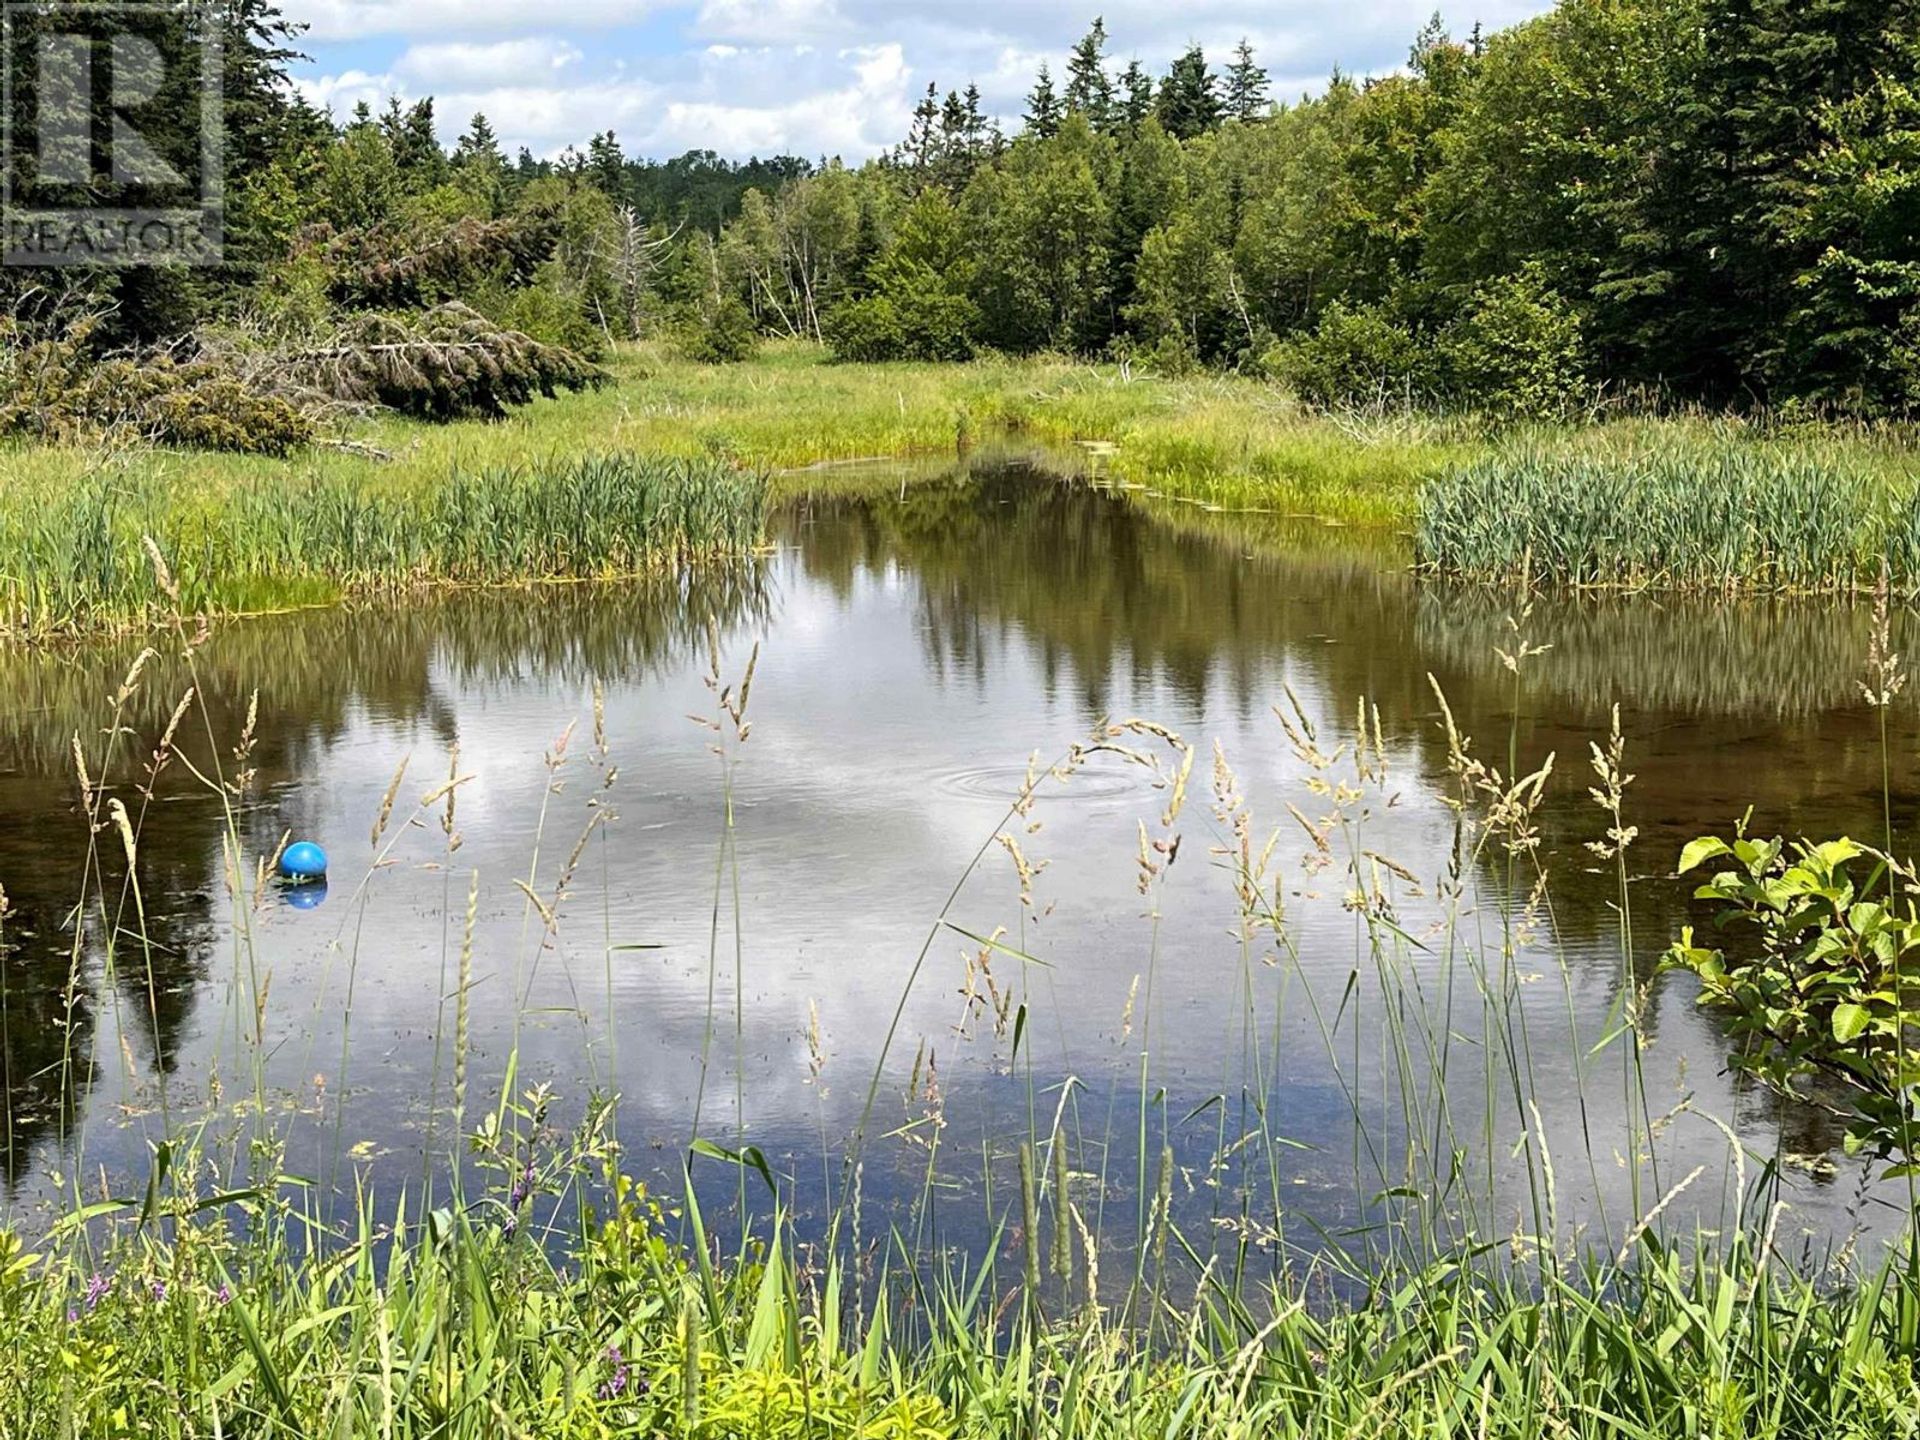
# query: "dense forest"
(1714, 200)
(1698, 201)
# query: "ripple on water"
(1003, 784)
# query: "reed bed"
(1721, 515)
(128, 546)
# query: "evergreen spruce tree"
(261, 108)
(410, 134)
(1136, 94)
(423, 143)
(923, 141)
(1043, 107)
(1847, 212)
(1246, 86)
(479, 146)
(1189, 102)
(607, 166)
(393, 122)
(868, 246)
(976, 122)
(479, 166)
(1739, 185)
(958, 150)
(1089, 88)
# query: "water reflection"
(916, 647)
(319, 677)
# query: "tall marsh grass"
(128, 545)
(1680, 502)
(1674, 512)
(453, 1323)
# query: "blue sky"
(811, 77)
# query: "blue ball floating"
(304, 862)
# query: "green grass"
(455, 1324)
(114, 546)
(1678, 507)
(475, 501)
(1221, 440)
(1631, 503)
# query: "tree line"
(1712, 201)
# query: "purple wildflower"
(159, 1292)
(97, 1288)
(615, 1385)
(222, 1295)
(522, 1188)
(73, 1316)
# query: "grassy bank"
(463, 1323)
(528, 498)
(1678, 503)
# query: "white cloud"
(734, 99)
(855, 119)
(461, 65)
(1000, 44)
(340, 93)
(770, 22)
(807, 76)
(333, 20)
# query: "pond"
(860, 952)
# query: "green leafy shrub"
(1357, 355)
(551, 309)
(916, 318)
(866, 329)
(719, 332)
(919, 308)
(1825, 987)
(1516, 351)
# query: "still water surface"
(917, 648)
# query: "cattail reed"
(461, 1006)
(691, 1342)
(1715, 517)
(91, 553)
(1029, 1219)
(1062, 1205)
